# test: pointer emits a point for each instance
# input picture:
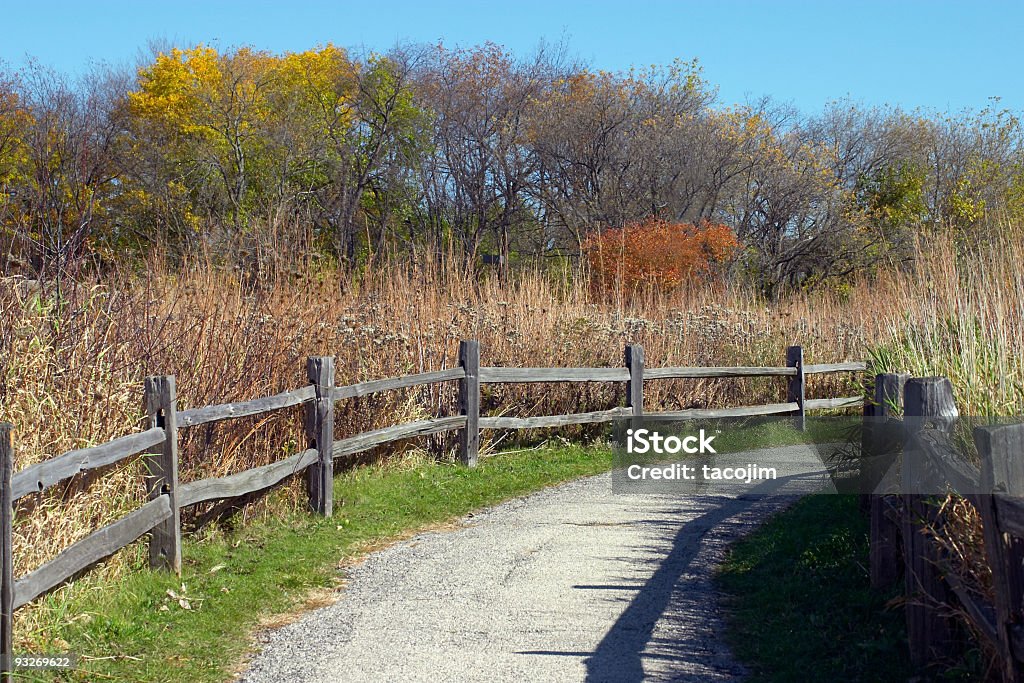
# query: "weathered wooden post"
(162, 479)
(880, 451)
(635, 391)
(469, 401)
(6, 550)
(930, 634)
(320, 430)
(1002, 472)
(795, 386)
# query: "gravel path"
(574, 583)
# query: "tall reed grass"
(963, 319)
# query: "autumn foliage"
(655, 252)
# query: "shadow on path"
(620, 654)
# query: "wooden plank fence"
(900, 544)
(160, 517)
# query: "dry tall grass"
(962, 316)
(71, 371)
(964, 320)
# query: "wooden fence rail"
(901, 527)
(41, 476)
(160, 517)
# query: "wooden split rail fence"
(903, 523)
(161, 515)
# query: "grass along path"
(150, 626)
(800, 604)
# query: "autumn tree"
(371, 143)
(205, 112)
(68, 169)
(254, 137)
(14, 122)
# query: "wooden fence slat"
(227, 411)
(91, 549)
(886, 546)
(795, 388)
(405, 381)
(320, 430)
(741, 411)
(929, 631)
(821, 368)
(7, 590)
(981, 614)
(833, 403)
(1002, 472)
(881, 451)
(245, 482)
(42, 475)
(1010, 512)
(162, 467)
(697, 373)
(469, 401)
(634, 358)
(554, 420)
(940, 455)
(493, 375)
(377, 437)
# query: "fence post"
(795, 386)
(469, 400)
(6, 550)
(880, 450)
(162, 466)
(930, 634)
(1002, 471)
(635, 391)
(320, 430)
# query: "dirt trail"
(574, 583)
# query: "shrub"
(655, 252)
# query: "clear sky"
(936, 53)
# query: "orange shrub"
(657, 252)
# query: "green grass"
(800, 607)
(757, 433)
(133, 629)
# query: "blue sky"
(937, 54)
